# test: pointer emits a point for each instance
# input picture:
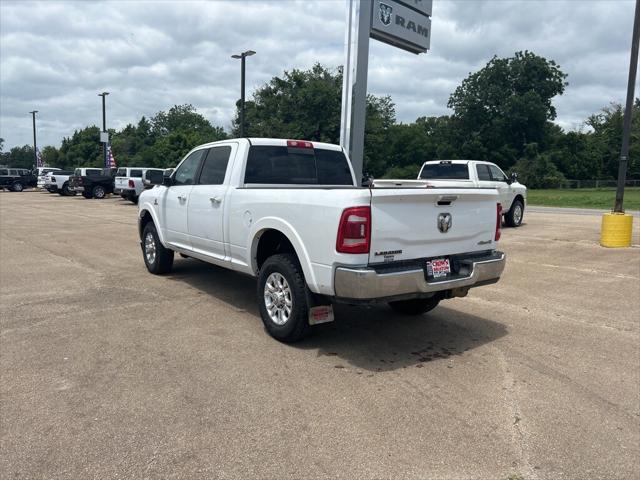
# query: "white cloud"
(56, 56)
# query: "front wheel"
(282, 297)
(415, 306)
(157, 258)
(515, 214)
(67, 192)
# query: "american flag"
(111, 160)
(38, 158)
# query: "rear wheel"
(17, 187)
(282, 297)
(515, 214)
(99, 192)
(157, 258)
(415, 306)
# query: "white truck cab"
(479, 174)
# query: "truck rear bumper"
(370, 284)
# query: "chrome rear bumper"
(368, 284)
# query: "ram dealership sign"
(403, 23)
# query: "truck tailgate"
(405, 222)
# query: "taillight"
(131, 184)
(498, 222)
(354, 231)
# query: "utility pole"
(35, 146)
(242, 57)
(104, 127)
(626, 127)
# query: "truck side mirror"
(514, 178)
(153, 177)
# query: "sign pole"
(354, 98)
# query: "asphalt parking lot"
(110, 372)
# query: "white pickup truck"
(290, 213)
(128, 182)
(479, 174)
(58, 182)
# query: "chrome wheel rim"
(150, 248)
(517, 214)
(17, 187)
(99, 192)
(278, 299)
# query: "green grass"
(603, 198)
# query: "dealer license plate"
(438, 268)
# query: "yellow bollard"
(616, 230)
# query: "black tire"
(87, 194)
(17, 187)
(66, 192)
(296, 326)
(514, 216)
(124, 197)
(99, 192)
(162, 260)
(415, 306)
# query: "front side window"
(496, 174)
(186, 172)
(93, 173)
(214, 167)
(483, 172)
(4, 172)
(122, 172)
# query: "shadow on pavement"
(373, 338)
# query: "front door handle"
(215, 200)
(182, 198)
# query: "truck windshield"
(272, 165)
(445, 171)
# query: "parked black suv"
(16, 179)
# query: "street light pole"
(35, 146)
(104, 126)
(626, 127)
(242, 56)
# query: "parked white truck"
(129, 182)
(479, 174)
(290, 213)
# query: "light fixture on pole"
(104, 140)
(242, 57)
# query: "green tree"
(505, 106)
(19, 157)
(305, 104)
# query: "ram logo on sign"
(403, 23)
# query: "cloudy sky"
(56, 56)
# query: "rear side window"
(93, 173)
(483, 172)
(4, 172)
(136, 173)
(293, 166)
(445, 171)
(215, 166)
(122, 172)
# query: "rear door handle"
(215, 200)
